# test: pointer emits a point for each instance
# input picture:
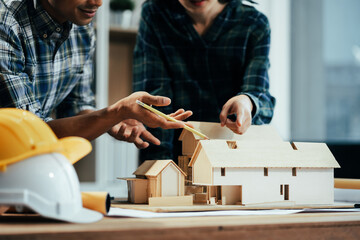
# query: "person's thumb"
(156, 100)
(239, 120)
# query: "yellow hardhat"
(23, 135)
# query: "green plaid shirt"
(201, 73)
(44, 66)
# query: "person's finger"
(183, 115)
(238, 130)
(120, 135)
(231, 124)
(234, 127)
(178, 112)
(223, 115)
(155, 100)
(147, 136)
(246, 126)
(239, 119)
(152, 120)
(134, 135)
(172, 125)
(140, 144)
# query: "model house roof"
(222, 153)
(215, 131)
(152, 168)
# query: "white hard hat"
(47, 184)
(36, 168)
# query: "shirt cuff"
(86, 107)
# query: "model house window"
(281, 189)
(223, 172)
(294, 172)
(232, 144)
(266, 172)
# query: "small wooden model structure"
(158, 182)
(215, 132)
(236, 172)
(257, 167)
(254, 168)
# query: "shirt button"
(45, 35)
(58, 29)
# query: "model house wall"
(257, 188)
(156, 178)
(172, 175)
(239, 172)
(215, 132)
(137, 190)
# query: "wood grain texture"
(299, 226)
(171, 201)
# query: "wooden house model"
(254, 172)
(154, 181)
(215, 132)
(257, 167)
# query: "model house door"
(231, 195)
(170, 181)
(284, 190)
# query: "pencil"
(144, 105)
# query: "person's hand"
(127, 108)
(241, 106)
(133, 131)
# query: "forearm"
(92, 124)
(87, 124)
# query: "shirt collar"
(44, 24)
(179, 12)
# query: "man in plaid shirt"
(208, 56)
(46, 66)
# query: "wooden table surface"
(297, 226)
